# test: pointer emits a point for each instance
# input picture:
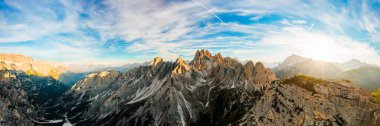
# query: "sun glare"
(321, 52)
(323, 47)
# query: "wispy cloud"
(139, 30)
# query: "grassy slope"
(376, 94)
(366, 77)
(305, 82)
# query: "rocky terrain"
(210, 90)
(22, 96)
(214, 90)
(15, 107)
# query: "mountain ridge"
(210, 90)
(362, 74)
(213, 93)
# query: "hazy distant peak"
(294, 59)
(354, 60)
(354, 64)
(29, 66)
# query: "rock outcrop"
(180, 66)
(156, 61)
(200, 59)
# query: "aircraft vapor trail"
(200, 4)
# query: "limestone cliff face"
(28, 65)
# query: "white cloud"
(170, 28)
(298, 21)
(295, 40)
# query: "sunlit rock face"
(214, 90)
(156, 61)
(29, 66)
(180, 66)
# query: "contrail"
(200, 4)
(312, 25)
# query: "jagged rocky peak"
(218, 58)
(156, 61)
(199, 59)
(180, 66)
(248, 68)
(258, 72)
(262, 74)
(293, 59)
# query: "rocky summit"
(210, 90)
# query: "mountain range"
(362, 74)
(208, 90)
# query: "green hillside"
(366, 77)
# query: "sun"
(321, 52)
(323, 49)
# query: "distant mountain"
(294, 65)
(69, 75)
(87, 68)
(31, 67)
(362, 74)
(366, 77)
(353, 64)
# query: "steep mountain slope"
(294, 65)
(15, 108)
(303, 100)
(366, 77)
(212, 90)
(22, 97)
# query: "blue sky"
(115, 31)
